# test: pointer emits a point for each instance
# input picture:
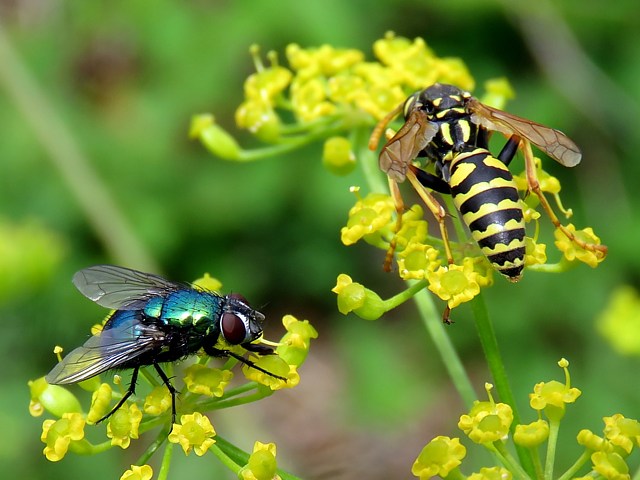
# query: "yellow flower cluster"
(205, 388)
(490, 424)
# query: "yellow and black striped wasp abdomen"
(486, 196)
(451, 129)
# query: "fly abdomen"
(486, 196)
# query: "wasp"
(451, 129)
(155, 321)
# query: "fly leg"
(171, 389)
(130, 391)
(215, 352)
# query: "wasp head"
(439, 101)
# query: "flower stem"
(224, 458)
(489, 344)
(554, 427)
(508, 461)
(579, 463)
(433, 323)
(239, 457)
(163, 474)
(430, 316)
(64, 152)
(368, 162)
(153, 448)
(400, 298)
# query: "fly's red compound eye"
(233, 328)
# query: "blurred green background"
(123, 78)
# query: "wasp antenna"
(374, 140)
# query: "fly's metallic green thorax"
(156, 321)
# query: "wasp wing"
(551, 141)
(121, 288)
(109, 349)
(406, 144)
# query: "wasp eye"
(233, 328)
(429, 107)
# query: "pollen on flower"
(593, 442)
(276, 366)
(610, 465)
(535, 253)
(455, 284)
(416, 260)
(531, 435)
(204, 380)
(491, 473)
(123, 425)
(622, 432)
(157, 401)
(59, 434)
(294, 345)
(573, 252)
(193, 433)
(553, 396)
(143, 472)
(367, 217)
(262, 463)
(439, 457)
(487, 422)
(100, 403)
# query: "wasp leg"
(509, 150)
(534, 186)
(171, 389)
(130, 391)
(432, 203)
(215, 352)
(399, 204)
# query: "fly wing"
(109, 349)
(406, 144)
(551, 141)
(121, 288)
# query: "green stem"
(153, 448)
(554, 428)
(508, 461)
(368, 161)
(233, 402)
(73, 166)
(432, 320)
(163, 474)
(289, 144)
(400, 298)
(579, 463)
(240, 457)
(224, 458)
(491, 351)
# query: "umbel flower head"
(205, 388)
(333, 95)
(488, 421)
(489, 424)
